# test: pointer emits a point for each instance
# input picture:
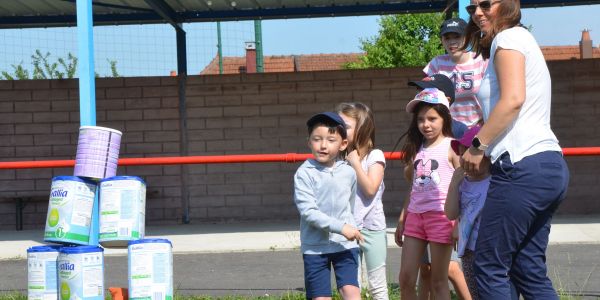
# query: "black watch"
(476, 143)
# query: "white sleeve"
(376, 156)
(515, 38)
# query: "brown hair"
(364, 133)
(414, 137)
(508, 15)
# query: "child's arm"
(452, 206)
(408, 175)
(369, 181)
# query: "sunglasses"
(484, 5)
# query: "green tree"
(405, 40)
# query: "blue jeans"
(510, 254)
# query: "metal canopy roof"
(60, 13)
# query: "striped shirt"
(431, 178)
(467, 79)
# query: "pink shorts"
(431, 226)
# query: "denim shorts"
(317, 271)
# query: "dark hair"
(331, 125)
(508, 15)
(364, 133)
(414, 137)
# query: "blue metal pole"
(87, 88)
(462, 11)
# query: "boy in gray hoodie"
(324, 192)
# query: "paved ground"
(258, 259)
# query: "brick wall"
(245, 114)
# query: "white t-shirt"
(529, 133)
(368, 212)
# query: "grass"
(394, 293)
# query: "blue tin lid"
(74, 178)
(80, 249)
(146, 241)
(123, 178)
(44, 248)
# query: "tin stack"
(95, 206)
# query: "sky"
(149, 50)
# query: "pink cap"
(429, 95)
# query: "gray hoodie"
(325, 199)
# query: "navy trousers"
(510, 254)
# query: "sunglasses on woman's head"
(484, 5)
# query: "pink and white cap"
(429, 95)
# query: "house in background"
(337, 61)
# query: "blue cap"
(328, 117)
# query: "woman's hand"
(472, 161)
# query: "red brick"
(260, 99)
(34, 151)
(293, 98)
(225, 212)
(64, 150)
(142, 81)
(259, 78)
(205, 112)
(224, 123)
(222, 100)
(334, 97)
(219, 79)
(223, 145)
(386, 83)
(125, 92)
(296, 76)
(241, 111)
(143, 125)
(17, 185)
(286, 109)
(171, 102)
(356, 84)
(241, 133)
(142, 148)
(171, 125)
(370, 73)
(278, 87)
(150, 114)
(203, 90)
(32, 128)
(315, 86)
(161, 136)
(50, 117)
(141, 103)
(160, 91)
(6, 84)
(205, 134)
(7, 129)
(15, 95)
(66, 105)
(31, 84)
(239, 89)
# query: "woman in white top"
(529, 174)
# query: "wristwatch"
(476, 143)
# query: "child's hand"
(458, 175)
(455, 235)
(353, 158)
(399, 233)
(351, 233)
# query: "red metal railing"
(222, 159)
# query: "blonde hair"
(364, 133)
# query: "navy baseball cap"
(438, 81)
(455, 25)
(328, 118)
